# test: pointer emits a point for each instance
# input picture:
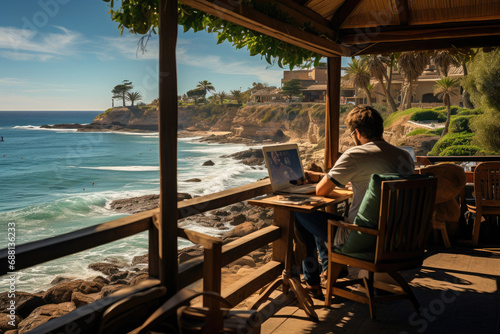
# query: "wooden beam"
(223, 198)
(40, 251)
(332, 114)
(248, 17)
(381, 34)
(246, 286)
(403, 12)
(439, 44)
(167, 128)
(343, 13)
(294, 6)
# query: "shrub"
(345, 108)
(451, 139)
(318, 114)
(461, 123)
(399, 114)
(466, 112)
(429, 115)
(417, 132)
(467, 150)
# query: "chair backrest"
(487, 184)
(406, 208)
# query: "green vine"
(141, 17)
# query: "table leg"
(282, 251)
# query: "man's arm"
(325, 186)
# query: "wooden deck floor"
(457, 287)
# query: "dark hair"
(367, 121)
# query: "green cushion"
(362, 245)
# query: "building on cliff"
(313, 87)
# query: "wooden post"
(167, 128)
(332, 112)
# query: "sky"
(68, 55)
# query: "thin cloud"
(222, 66)
(127, 46)
(27, 44)
(12, 81)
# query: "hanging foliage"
(142, 17)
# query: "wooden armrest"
(354, 227)
(198, 238)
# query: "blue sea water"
(57, 181)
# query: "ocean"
(56, 181)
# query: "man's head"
(367, 121)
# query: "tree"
(237, 95)
(120, 91)
(412, 65)
(221, 96)
(377, 66)
(464, 57)
(132, 97)
(483, 85)
(444, 89)
(444, 60)
(358, 72)
(141, 17)
(291, 88)
(205, 86)
(258, 86)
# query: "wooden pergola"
(345, 28)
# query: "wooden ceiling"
(355, 27)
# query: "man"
(371, 155)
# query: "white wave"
(125, 168)
(29, 127)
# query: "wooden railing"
(216, 255)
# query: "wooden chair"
(404, 224)
(486, 193)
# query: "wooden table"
(282, 248)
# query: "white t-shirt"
(358, 163)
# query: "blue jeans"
(314, 231)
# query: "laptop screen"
(283, 163)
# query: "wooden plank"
(438, 44)
(303, 16)
(332, 115)
(282, 219)
(381, 35)
(403, 12)
(247, 17)
(244, 245)
(190, 271)
(220, 199)
(86, 318)
(154, 248)
(40, 251)
(167, 128)
(212, 272)
(343, 13)
(208, 242)
(237, 292)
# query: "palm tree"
(132, 97)
(221, 96)
(377, 66)
(412, 65)
(360, 76)
(444, 89)
(463, 56)
(206, 87)
(443, 60)
(237, 95)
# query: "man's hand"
(313, 177)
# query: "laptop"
(410, 150)
(285, 169)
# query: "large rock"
(62, 293)
(208, 163)
(109, 289)
(142, 203)
(6, 321)
(251, 157)
(140, 259)
(105, 268)
(43, 314)
(25, 302)
(81, 299)
(238, 219)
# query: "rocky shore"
(68, 293)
